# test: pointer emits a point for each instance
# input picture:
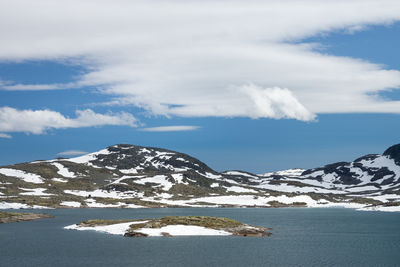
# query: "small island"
(173, 226)
(7, 217)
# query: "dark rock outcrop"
(135, 234)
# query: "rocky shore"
(8, 217)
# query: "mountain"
(135, 176)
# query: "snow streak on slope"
(89, 157)
(289, 172)
(63, 171)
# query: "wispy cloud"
(175, 128)
(37, 87)
(3, 135)
(72, 153)
(39, 121)
(188, 58)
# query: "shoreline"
(355, 206)
(10, 217)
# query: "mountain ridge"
(130, 176)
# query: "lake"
(301, 237)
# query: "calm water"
(301, 237)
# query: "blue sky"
(283, 121)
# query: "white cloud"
(72, 153)
(3, 135)
(275, 103)
(198, 58)
(174, 128)
(39, 121)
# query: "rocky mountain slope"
(134, 176)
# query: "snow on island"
(173, 226)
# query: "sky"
(251, 85)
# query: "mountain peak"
(141, 159)
(393, 152)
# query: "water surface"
(301, 237)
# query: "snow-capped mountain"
(136, 176)
(368, 173)
(138, 159)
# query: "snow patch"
(114, 229)
(60, 180)
(158, 179)
(240, 173)
(144, 150)
(182, 230)
(361, 188)
(239, 189)
(182, 159)
(7, 205)
(27, 177)
(102, 193)
(91, 203)
(89, 157)
(212, 176)
(71, 204)
(130, 171)
(35, 192)
(178, 177)
(289, 172)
